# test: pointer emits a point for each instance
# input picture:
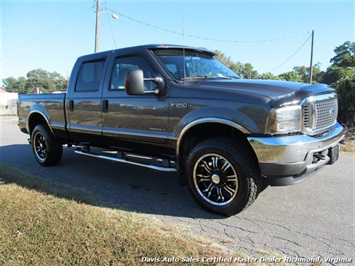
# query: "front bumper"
(287, 160)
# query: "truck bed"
(50, 106)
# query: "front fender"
(220, 115)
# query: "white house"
(8, 102)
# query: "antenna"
(183, 42)
(311, 64)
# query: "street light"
(97, 27)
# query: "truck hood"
(273, 89)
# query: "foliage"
(15, 85)
(344, 55)
(341, 76)
(245, 70)
(346, 95)
(268, 75)
(336, 73)
(291, 76)
(37, 78)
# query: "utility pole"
(311, 65)
(97, 29)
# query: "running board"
(124, 159)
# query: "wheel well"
(205, 131)
(34, 120)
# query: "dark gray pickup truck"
(174, 108)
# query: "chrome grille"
(307, 115)
(319, 113)
(326, 113)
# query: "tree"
(341, 76)
(12, 84)
(268, 75)
(290, 76)
(346, 97)
(37, 78)
(345, 55)
(223, 58)
(245, 70)
(335, 73)
(248, 72)
(301, 74)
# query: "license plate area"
(333, 154)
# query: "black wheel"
(47, 149)
(223, 176)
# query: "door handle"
(105, 106)
(71, 105)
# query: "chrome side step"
(147, 162)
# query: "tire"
(46, 148)
(223, 176)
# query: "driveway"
(309, 220)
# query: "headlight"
(284, 120)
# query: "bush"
(346, 95)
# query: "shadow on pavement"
(114, 185)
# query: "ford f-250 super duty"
(175, 108)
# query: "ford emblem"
(332, 112)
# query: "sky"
(274, 36)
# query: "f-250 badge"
(179, 105)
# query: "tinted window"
(187, 64)
(123, 65)
(89, 76)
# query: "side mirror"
(134, 83)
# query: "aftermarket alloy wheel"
(46, 148)
(223, 176)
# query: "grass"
(47, 223)
(43, 223)
(349, 146)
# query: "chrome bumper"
(288, 160)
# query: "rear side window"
(89, 76)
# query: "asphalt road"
(308, 220)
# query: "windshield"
(188, 64)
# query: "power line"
(48, 31)
(199, 37)
(23, 15)
(109, 23)
(291, 55)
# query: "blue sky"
(51, 34)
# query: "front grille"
(326, 113)
(307, 115)
(319, 113)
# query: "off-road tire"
(223, 175)
(46, 148)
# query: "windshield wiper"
(198, 77)
(202, 77)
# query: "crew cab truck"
(178, 109)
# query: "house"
(8, 102)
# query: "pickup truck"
(178, 109)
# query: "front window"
(123, 65)
(189, 64)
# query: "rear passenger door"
(83, 101)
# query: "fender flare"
(38, 109)
(205, 120)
